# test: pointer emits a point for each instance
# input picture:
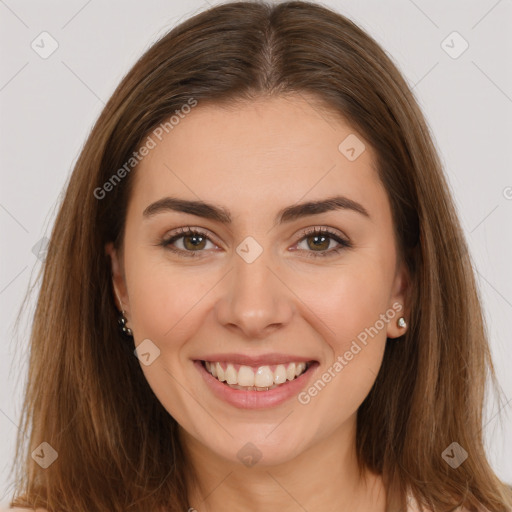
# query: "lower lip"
(256, 399)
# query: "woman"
(257, 290)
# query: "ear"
(118, 280)
(399, 301)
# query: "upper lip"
(260, 360)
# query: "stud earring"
(401, 323)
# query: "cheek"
(161, 295)
(347, 300)
(348, 309)
(163, 305)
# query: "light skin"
(254, 159)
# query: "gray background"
(48, 107)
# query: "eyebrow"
(222, 215)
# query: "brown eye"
(319, 240)
(192, 242)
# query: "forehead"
(272, 150)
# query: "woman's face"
(257, 290)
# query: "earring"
(402, 323)
(122, 325)
(122, 320)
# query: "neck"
(325, 476)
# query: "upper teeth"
(262, 376)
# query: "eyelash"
(183, 232)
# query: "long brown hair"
(118, 448)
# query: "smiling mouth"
(261, 378)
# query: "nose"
(255, 300)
